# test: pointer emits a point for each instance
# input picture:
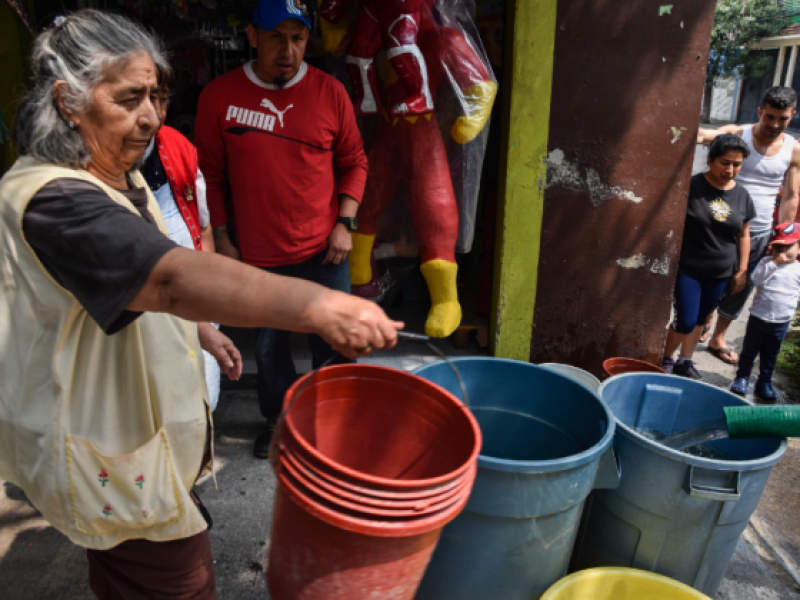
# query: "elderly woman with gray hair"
(104, 419)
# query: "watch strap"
(350, 222)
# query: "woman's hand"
(221, 347)
(738, 281)
(352, 326)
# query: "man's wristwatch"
(350, 222)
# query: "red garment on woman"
(179, 158)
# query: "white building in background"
(727, 94)
(725, 99)
(790, 38)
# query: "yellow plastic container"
(615, 583)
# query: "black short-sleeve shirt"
(714, 220)
(99, 251)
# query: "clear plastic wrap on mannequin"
(418, 66)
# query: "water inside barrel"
(513, 435)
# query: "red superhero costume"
(395, 25)
(408, 145)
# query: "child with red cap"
(777, 281)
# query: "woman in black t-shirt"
(716, 247)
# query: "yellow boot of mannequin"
(359, 259)
(445, 314)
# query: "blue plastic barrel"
(543, 438)
(673, 513)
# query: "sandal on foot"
(704, 335)
(725, 355)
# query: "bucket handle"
(401, 336)
(706, 492)
(609, 470)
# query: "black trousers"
(765, 339)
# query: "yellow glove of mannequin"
(479, 100)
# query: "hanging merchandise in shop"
(204, 38)
(423, 88)
(21, 9)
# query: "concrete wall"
(627, 85)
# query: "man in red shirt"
(278, 132)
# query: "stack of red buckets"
(371, 463)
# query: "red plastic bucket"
(348, 519)
(615, 366)
(377, 496)
(334, 421)
(365, 503)
(310, 559)
(372, 463)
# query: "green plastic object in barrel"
(739, 422)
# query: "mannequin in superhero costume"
(408, 145)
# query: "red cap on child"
(786, 233)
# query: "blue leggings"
(695, 299)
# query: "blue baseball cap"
(269, 13)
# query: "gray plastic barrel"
(673, 513)
(586, 378)
(544, 436)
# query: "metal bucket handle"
(401, 336)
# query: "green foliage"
(738, 24)
(789, 359)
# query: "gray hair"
(81, 50)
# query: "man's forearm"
(787, 213)
(348, 206)
(788, 210)
(704, 136)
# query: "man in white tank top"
(774, 161)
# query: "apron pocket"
(131, 491)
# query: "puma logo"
(270, 106)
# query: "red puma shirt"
(281, 151)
